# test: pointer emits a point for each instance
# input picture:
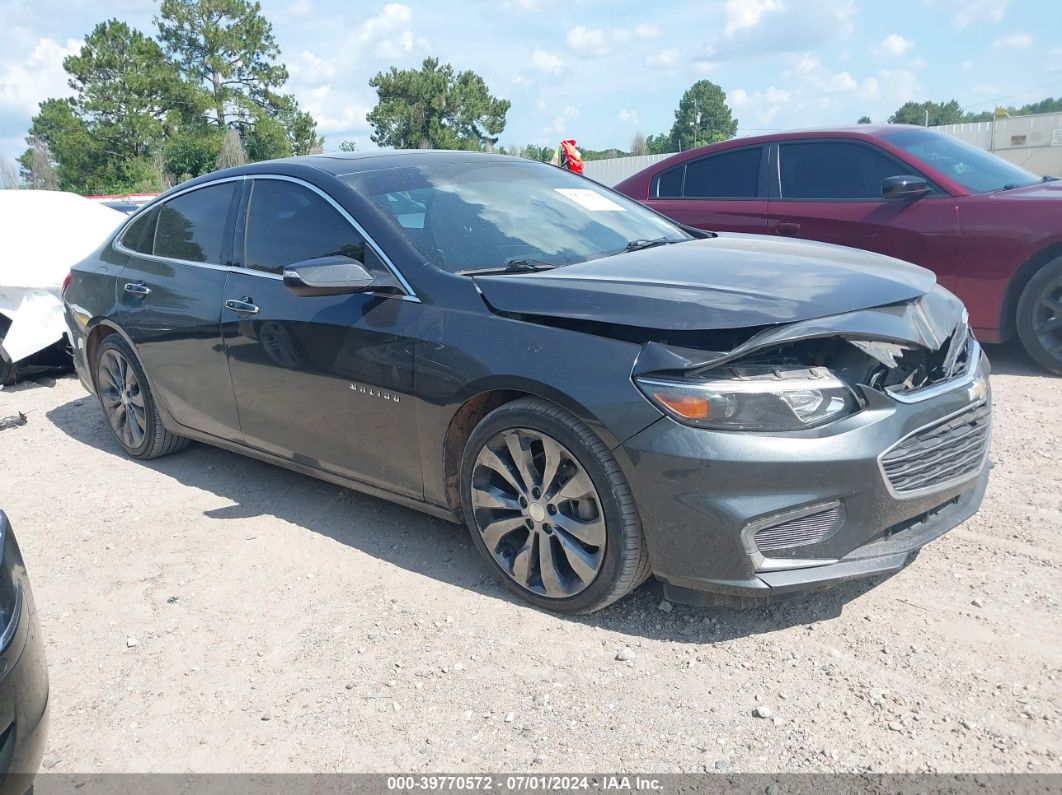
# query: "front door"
(323, 381)
(830, 190)
(169, 303)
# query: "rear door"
(724, 191)
(830, 190)
(169, 303)
(323, 381)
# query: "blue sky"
(600, 71)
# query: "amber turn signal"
(692, 408)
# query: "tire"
(1040, 316)
(545, 542)
(133, 418)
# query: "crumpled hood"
(728, 282)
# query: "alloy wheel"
(122, 398)
(538, 513)
(1047, 318)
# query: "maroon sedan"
(991, 231)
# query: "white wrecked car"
(44, 233)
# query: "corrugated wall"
(1032, 142)
(616, 169)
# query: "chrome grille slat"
(939, 454)
(802, 531)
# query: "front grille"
(804, 530)
(940, 454)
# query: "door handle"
(787, 228)
(243, 306)
(137, 288)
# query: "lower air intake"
(802, 531)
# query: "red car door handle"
(787, 228)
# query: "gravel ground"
(206, 612)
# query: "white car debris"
(43, 234)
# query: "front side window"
(834, 170)
(975, 169)
(465, 214)
(192, 226)
(287, 223)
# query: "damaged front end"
(809, 373)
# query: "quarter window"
(669, 184)
(834, 170)
(192, 226)
(140, 236)
(287, 223)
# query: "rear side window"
(192, 226)
(834, 170)
(140, 236)
(669, 184)
(287, 223)
(731, 175)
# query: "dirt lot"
(206, 612)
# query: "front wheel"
(1040, 316)
(548, 507)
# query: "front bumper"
(23, 678)
(704, 494)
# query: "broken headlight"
(755, 399)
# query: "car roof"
(338, 163)
(847, 131)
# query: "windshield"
(975, 169)
(463, 215)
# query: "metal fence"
(616, 169)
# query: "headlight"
(757, 398)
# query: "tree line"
(206, 91)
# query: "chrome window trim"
(409, 295)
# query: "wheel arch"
(481, 399)
(1022, 277)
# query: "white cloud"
(1016, 41)
(391, 33)
(628, 117)
(770, 27)
(665, 59)
(748, 13)
(527, 6)
(596, 42)
(562, 121)
(894, 45)
(970, 11)
(548, 62)
(28, 80)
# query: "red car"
(991, 231)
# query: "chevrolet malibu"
(599, 393)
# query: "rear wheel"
(129, 404)
(548, 507)
(1040, 316)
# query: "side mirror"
(905, 187)
(328, 276)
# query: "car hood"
(728, 282)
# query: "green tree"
(702, 117)
(348, 146)
(937, 112)
(638, 144)
(226, 50)
(863, 120)
(125, 88)
(77, 154)
(435, 107)
(541, 153)
(660, 144)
